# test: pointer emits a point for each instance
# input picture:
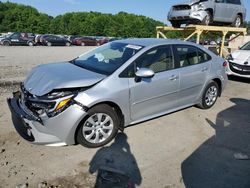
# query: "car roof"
(153, 41)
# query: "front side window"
(15, 36)
(189, 55)
(159, 60)
(107, 58)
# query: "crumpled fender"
(199, 15)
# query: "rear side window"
(190, 55)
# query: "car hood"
(45, 78)
(241, 56)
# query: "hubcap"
(211, 96)
(97, 128)
(207, 21)
(238, 22)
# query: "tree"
(17, 17)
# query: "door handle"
(173, 77)
(204, 69)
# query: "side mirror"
(143, 73)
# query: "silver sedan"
(89, 99)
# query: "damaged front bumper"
(187, 16)
(55, 131)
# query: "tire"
(30, 43)
(93, 128)
(208, 19)
(6, 43)
(237, 22)
(67, 44)
(82, 44)
(176, 24)
(212, 90)
(49, 44)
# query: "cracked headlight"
(61, 105)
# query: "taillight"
(225, 64)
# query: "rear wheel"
(82, 44)
(209, 96)
(99, 127)
(237, 21)
(176, 24)
(49, 44)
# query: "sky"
(156, 9)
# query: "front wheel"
(49, 44)
(208, 19)
(67, 44)
(209, 96)
(6, 43)
(176, 24)
(30, 43)
(99, 127)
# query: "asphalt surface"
(189, 148)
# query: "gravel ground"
(189, 148)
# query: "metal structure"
(192, 30)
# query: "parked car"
(102, 40)
(37, 39)
(72, 37)
(85, 41)
(53, 40)
(18, 38)
(90, 98)
(42, 38)
(208, 12)
(239, 62)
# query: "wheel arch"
(113, 105)
(240, 14)
(211, 11)
(6, 41)
(219, 83)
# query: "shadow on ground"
(215, 162)
(116, 165)
(239, 79)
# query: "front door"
(151, 96)
(220, 11)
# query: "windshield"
(246, 46)
(107, 58)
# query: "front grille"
(239, 69)
(181, 7)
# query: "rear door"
(194, 70)
(158, 94)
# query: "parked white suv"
(208, 12)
